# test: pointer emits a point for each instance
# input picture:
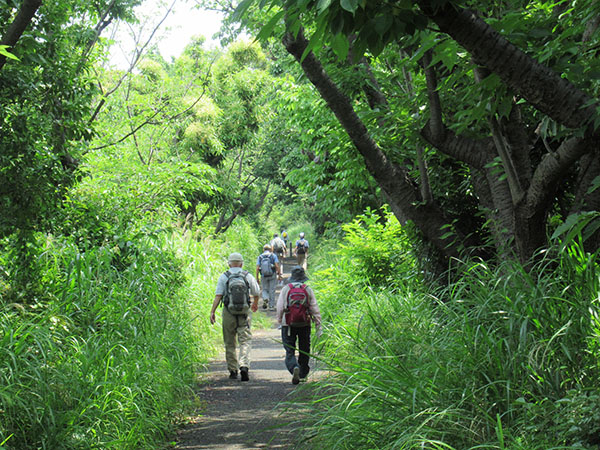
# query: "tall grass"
(503, 358)
(108, 357)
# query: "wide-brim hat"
(235, 257)
(298, 274)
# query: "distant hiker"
(268, 271)
(296, 309)
(234, 289)
(301, 251)
(285, 237)
(279, 247)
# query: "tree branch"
(476, 154)
(543, 88)
(552, 167)
(19, 25)
(394, 181)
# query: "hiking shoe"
(233, 374)
(296, 375)
(244, 372)
(303, 380)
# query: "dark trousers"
(289, 335)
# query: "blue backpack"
(267, 265)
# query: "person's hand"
(254, 307)
(212, 318)
(318, 332)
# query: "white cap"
(235, 257)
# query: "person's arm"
(313, 307)
(254, 306)
(215, 305)
(278, 271)
(254, 292)
(280, 303)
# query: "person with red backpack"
(296, 310)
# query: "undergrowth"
(503, 358)
(106, 357)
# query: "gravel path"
(245, 415)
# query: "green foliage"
(110, 351)
(107, 360)
(45, 106)
(503, 358)
(374, 250)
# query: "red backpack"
(296, 312)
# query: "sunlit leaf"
(349, 5)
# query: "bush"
(503, 358)
(108, 360)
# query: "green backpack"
(237, 293)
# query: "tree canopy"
(478, 122)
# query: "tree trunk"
(403, 195)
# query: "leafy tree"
(501, 95)
(45, 97)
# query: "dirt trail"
(245, 415)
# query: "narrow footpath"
(246, 415)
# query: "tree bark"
(401, 192)
(19, 25)
(544, 89)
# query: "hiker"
(296, 309)
(284, 237)
(268, 271)
(301, 251)
(234, 289)
(279, 247)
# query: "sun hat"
(267, 247)
(235, 257)
(298, 275)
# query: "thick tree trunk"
(401, 192)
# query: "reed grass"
(488, 362)
(108, 357)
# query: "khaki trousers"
(236, 333)
(301, 260)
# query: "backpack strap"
(245, 275)
(225, 296)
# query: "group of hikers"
(296, 307)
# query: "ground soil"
(246, 415)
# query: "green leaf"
(267, 30)
(316, 40)
(240, 11)
(323, 5)
(349, 5)
(340, 46)
(595, 184)
(383, 23)
(5, 52)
